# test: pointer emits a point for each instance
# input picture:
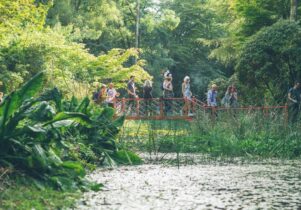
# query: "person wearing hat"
(186, 94)
(212, 99)
(168, 92)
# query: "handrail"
(174, 108)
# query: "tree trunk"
(137, 24)
(294, 6)
(137, 27)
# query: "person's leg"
(293, 113)
(130, 103)
(185, 107)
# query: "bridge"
(174, 109)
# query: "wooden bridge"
(174, 109)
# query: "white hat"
(186, 78)
(167, 74)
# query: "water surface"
(218, 185)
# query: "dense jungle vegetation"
(52, 52)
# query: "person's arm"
(209, 98)
(290, 97)
(169, 86)
(235, 96)
(129, 90)
(183, 89)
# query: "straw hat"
(214, 86)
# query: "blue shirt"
(211, 98)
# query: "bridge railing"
(277, 114)
(155, 107)
(174, 108)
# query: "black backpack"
(162, 86)
(95, 96)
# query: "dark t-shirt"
(131, 87)
(147, 92)
(295, 94)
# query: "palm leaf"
(14, 101)
(83, 105)
(76, 117)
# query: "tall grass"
(244, 134)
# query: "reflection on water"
(255, 185)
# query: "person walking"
(147, 95)
(168, 93)
(111, 95)
(230, 98)
(294, 103)
(186, 95)
(132, 96)
(212, 100)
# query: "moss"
(16, 195)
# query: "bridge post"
(193, 104)
(161, 107)
(137, 106)
(286, 114)
(123, 105)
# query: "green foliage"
(23, 192)
(126, 158)
(35, 135)
(256, 14)
(18, 15)
(269, 62)
(250, 135)
(68, 65)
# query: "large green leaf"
(28, 90)
(76, 167)
(107, 113)
(83, 105)
(119, 121)
(39, 157)
(76, 117)
(14, 101)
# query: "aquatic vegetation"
(245, 134)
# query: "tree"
(294, 6)
(17, 15)
(270, 62)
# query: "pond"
(234, 184)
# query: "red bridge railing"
(176, 108)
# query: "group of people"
(230, 99)
(104, 95)
(108, 95)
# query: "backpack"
(162, 86)
(95, 96)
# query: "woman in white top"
(111, 95)
(186, 95)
